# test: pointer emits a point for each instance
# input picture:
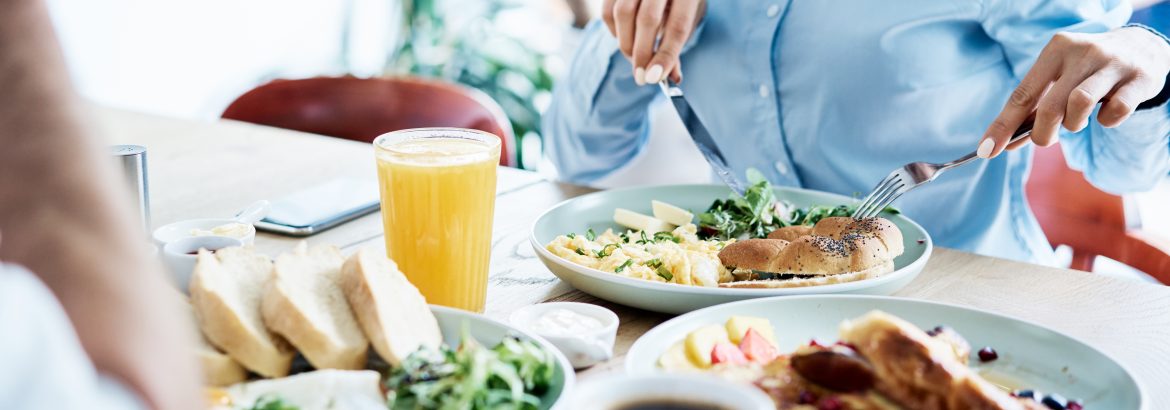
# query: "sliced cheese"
(670, 213)
(640, 222)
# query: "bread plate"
(596, 210)
(1030, 356)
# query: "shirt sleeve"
(598, 119)
(1131, 157)
(44, 366)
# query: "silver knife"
(702, 137)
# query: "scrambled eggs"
(672, 257)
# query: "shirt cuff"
(1146, 127)
(1163, 96)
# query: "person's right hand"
(637, 25)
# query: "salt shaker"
(132, 159)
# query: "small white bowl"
(180, 255)
(175, 231)
(584, 349)
(618, 392)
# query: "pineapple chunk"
(671, 213)
(675, 360)
(639, 222)
(737, 326)
(700, 342)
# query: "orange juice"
(438, 189)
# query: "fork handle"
(1024, 131)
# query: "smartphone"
(321, 207)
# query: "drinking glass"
(438, 190)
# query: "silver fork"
(911, 175)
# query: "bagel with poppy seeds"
(790, 233)
(835, 250)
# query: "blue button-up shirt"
(833, 95)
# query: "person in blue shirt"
(833, 95)
(1153, 13)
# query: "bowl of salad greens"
(719, 215)
(483, 364)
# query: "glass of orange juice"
(438, 188)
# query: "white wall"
(190, 58)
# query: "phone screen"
(325, 204)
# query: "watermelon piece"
(757, 348)
(727, 353)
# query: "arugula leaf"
(754, 176)
(268, 402)
(758, 212)
(751, 215)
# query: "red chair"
(1073, 212)
(361, 109)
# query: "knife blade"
(702, 137)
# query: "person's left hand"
(1075, 71)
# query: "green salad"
(511, 375)
(758, 212)
(272, 403)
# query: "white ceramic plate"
(490, 332)
(596, 211)
(1030, 356)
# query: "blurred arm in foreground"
(63, 216)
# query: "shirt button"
(774, 10)
(764, 91)
(781, 167)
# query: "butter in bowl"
(584, 332)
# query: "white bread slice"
(316, 390)
(392, 312)
(226, 290)
(304, 304)
(218, 369)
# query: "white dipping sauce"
(565, 322)
(232, 230)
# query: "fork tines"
(883, 194)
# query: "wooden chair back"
(361, 109)
(1092, 222)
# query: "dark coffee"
(668, 404)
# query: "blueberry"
(1055, 402)
(807, 397)
(1025, 394)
